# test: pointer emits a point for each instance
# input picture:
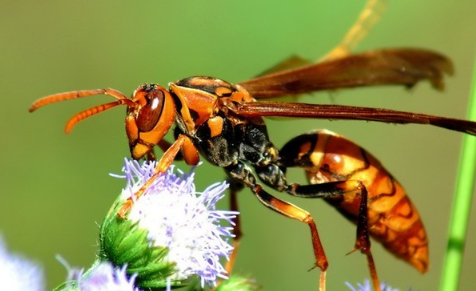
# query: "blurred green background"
(56, 188)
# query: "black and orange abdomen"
(393, 219)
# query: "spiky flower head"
(18, 273)
(366, 287)
(172, 232)
(102, 276)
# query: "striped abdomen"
(394, 220)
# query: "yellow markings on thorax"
(223, 91)
(216, 126)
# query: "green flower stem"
(461, 205)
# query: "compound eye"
(149, 114)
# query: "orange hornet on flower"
(223, 122)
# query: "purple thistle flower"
(178, 219)
(101, 277)
(18, 274)
(367, 287)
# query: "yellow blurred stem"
(372, 12)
